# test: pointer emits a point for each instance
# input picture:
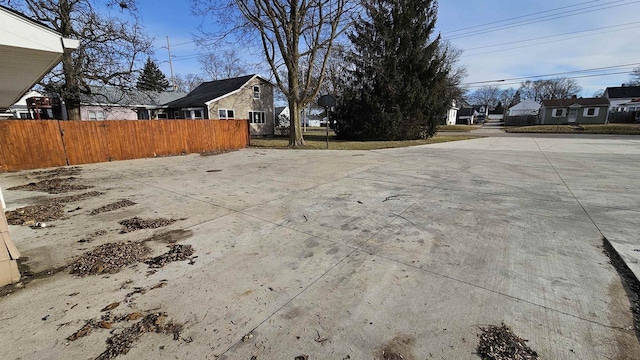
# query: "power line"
(552, 36)
(537, 20)
(548, 42)
(555, 74)
(518, 17)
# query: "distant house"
(525, 108)
(19, 110)
(452, 114)
(313, 120)
(467, 116)
(111, 103)
(246, 97)
(283, 116)
(574, 111)
(623, 98)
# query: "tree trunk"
(295, 130)
(71, 93)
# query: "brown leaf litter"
(175, 253)
(61, 171)
(52, 186)
(121, 342)
(123, 339)
(137, 223)
(113, 206)
(109, 258)
(500, 343)
(46, 210)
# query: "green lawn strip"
(624, 129)
(318, 142)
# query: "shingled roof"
(578, 101)
(623, 92)
(210, 90)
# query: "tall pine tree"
(151, 78)
(397, 88)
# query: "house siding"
(548, 119)
(110, 113)
(242, 102)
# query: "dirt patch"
(109, 258)
(46, 210)
(175, 253)
(57, 172)
(216, 152)
(500, 343)
(137, 223)
(52, 186)
(171, 236)
(113, 206)
(399, 348)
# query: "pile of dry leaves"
(500, 343)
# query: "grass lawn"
(462, 128)
(317, 141)
(625, 129)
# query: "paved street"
(350, 254)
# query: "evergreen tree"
(398, 86)
(151, 78)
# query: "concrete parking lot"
(347, 254)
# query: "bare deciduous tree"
(635, 77)
(223, 64)
(111, 50)
(290, 33)
(488, 96)
(188, 82)
(456, 72)
(549, 89)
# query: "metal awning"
(29, 51)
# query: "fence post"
(64, 146)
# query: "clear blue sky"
(600, 33)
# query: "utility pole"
(173, 80)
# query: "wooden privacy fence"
(32, 144)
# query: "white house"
(623, 98)
(452, 114)
(283, 115)
(19, 110)
(29, 51)
(525, 108)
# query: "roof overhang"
(29, 51)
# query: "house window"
(256, 117)
(226, 114)
(559, 112)
(176, 114)
(96, 115)
(256, 92)
(590, 112)
(161, 116)
(197, 114)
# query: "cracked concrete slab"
(344, 254)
